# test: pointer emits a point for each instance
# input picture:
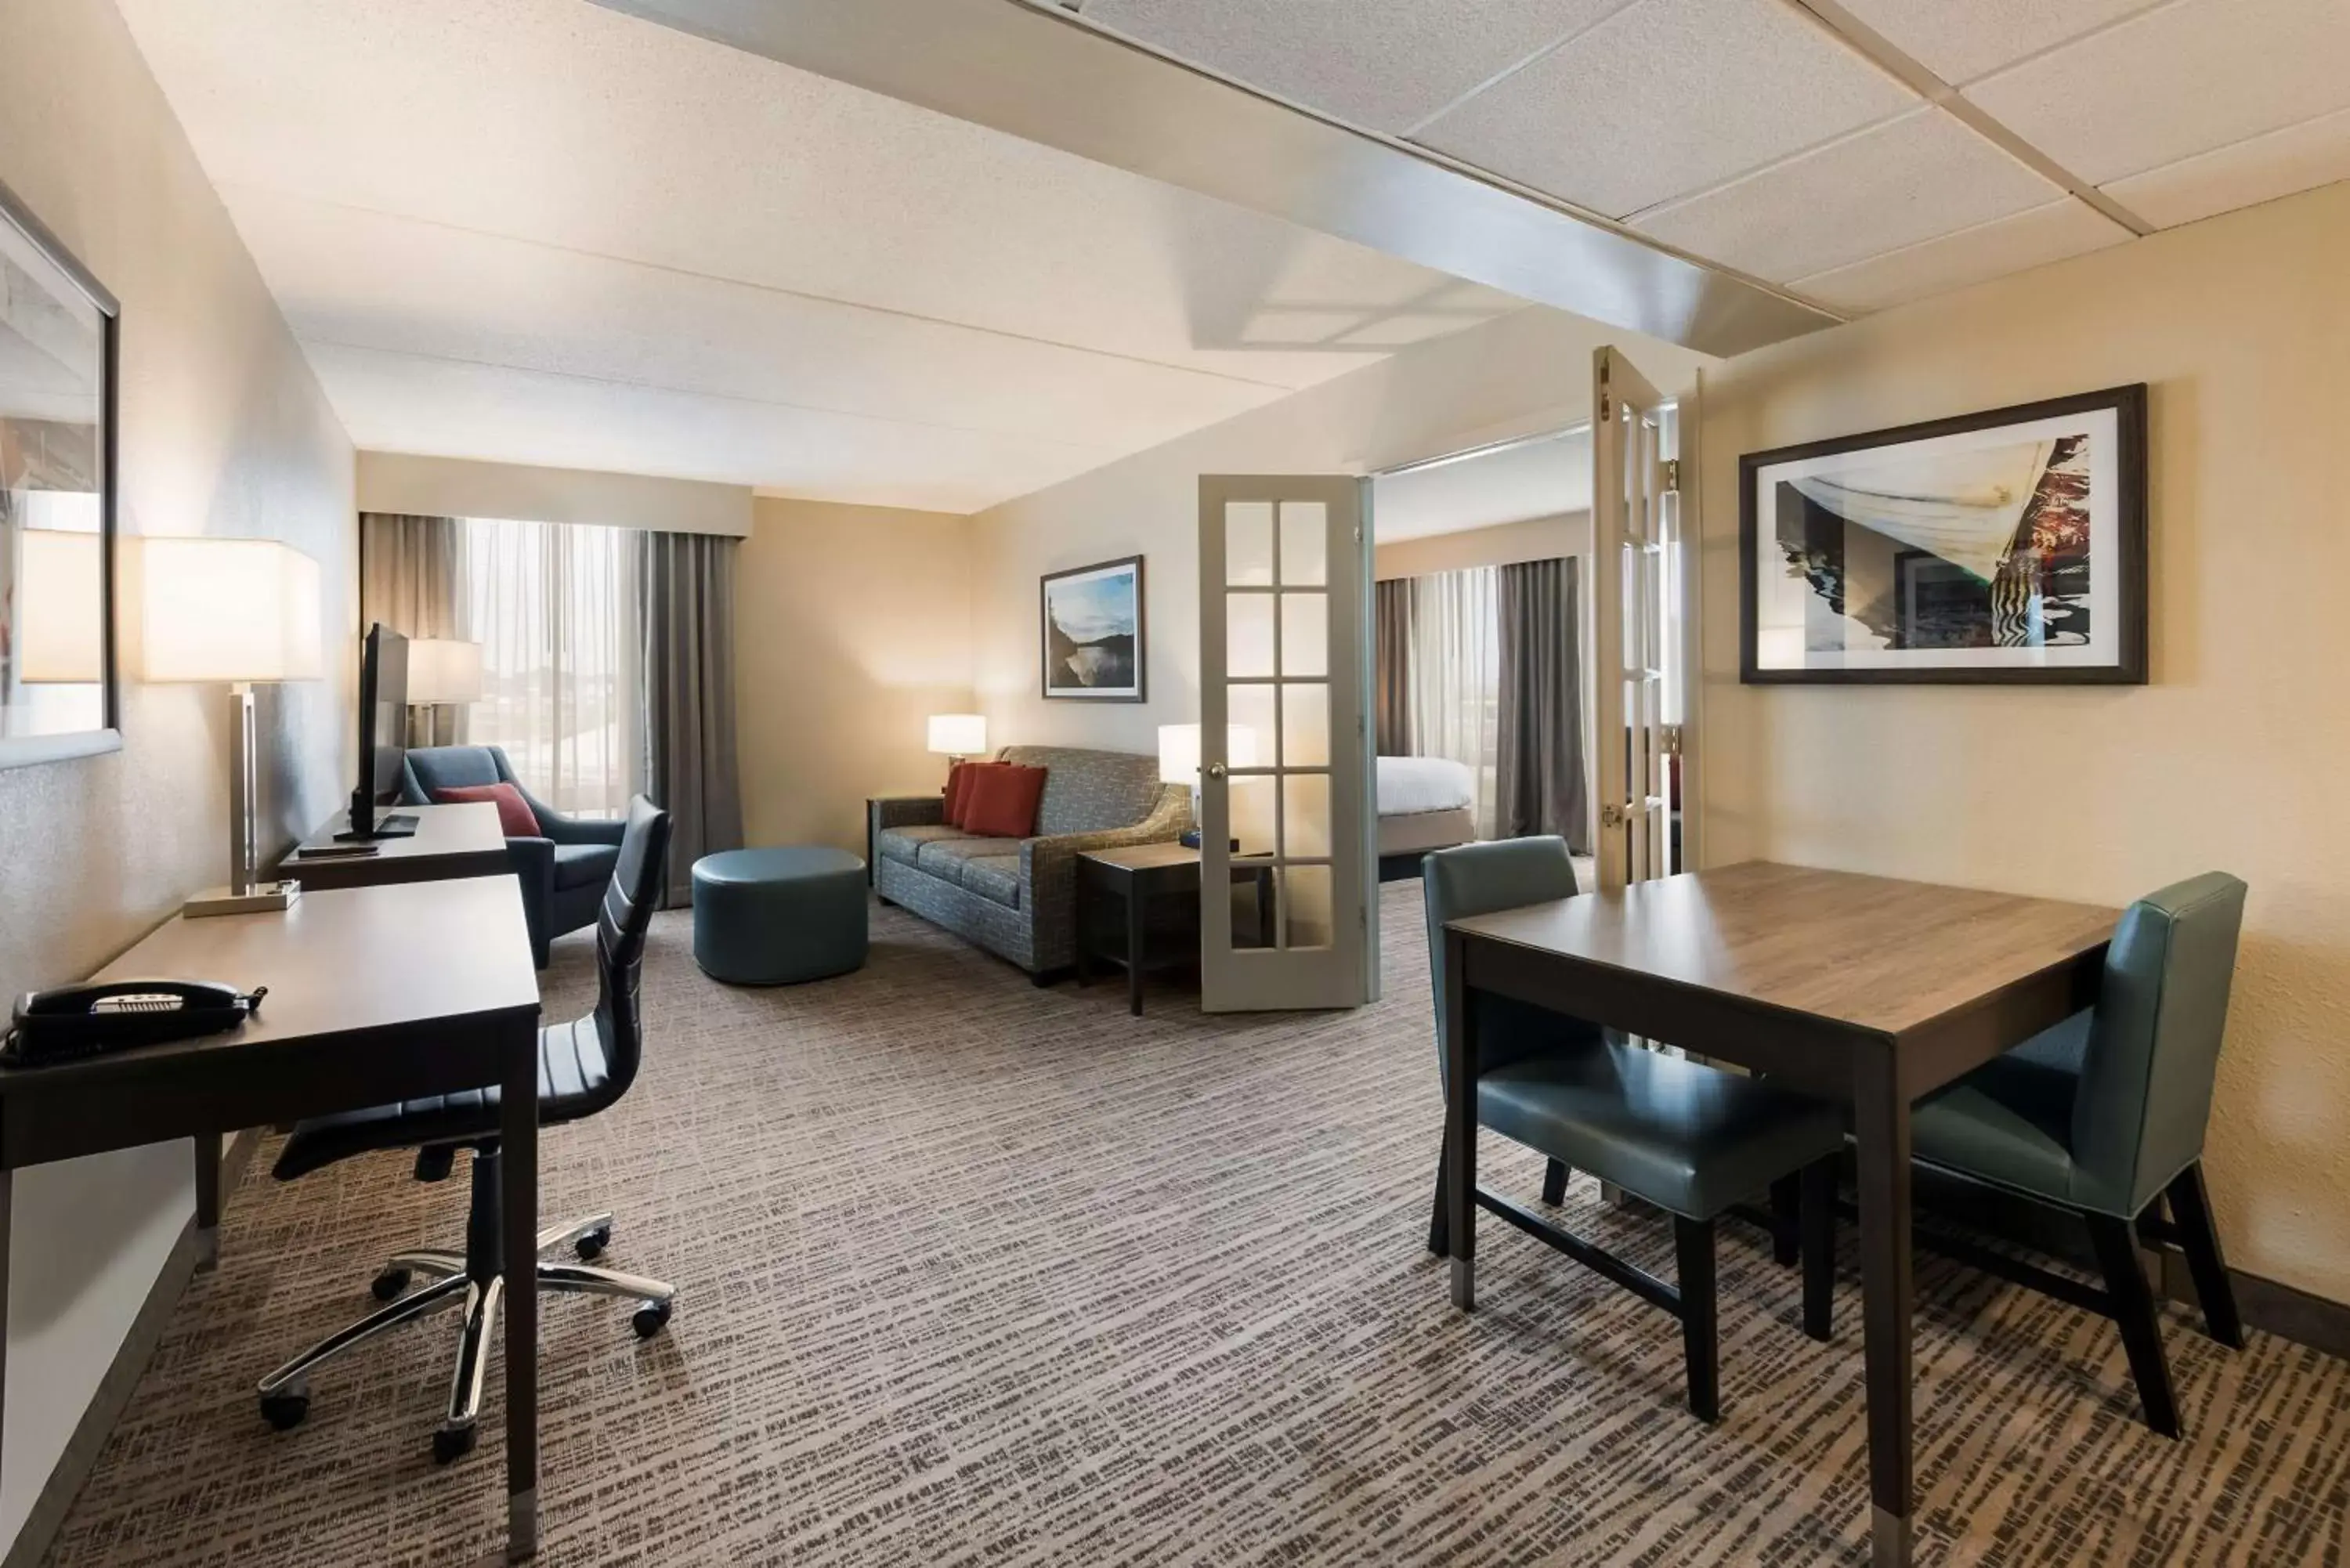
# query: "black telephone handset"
(76, 1021)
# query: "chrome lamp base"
(261, 899)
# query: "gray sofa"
(1017, 897)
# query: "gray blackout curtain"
(409, 575)
(1540, 787)
(687, 639)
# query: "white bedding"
(1409, 786)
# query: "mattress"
(1409, 786)
(1418, 832)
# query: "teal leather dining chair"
(2102, 1116)
(1687, 1139)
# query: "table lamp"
(238, 611)
(1178, 762)
(958, 735)
(442, 670)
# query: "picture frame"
(1092, 633)
(2003, 547)
(60, 362)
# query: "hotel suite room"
(972, 1254)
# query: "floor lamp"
(442, 672)
(237, 611)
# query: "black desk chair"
(583, 1066)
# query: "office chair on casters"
(583, 1066)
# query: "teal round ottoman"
(772, 917)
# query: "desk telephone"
(76, 1021)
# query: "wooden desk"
(449, 841)
(1871, 990)
(376, 994)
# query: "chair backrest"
(630, 900)
(430, 768)
(1087, 791)
(2154, 1042)
(1479, 878)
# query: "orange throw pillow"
(959, 778)
(515, 819)
(1001, 801)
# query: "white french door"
(1284, 757)
(1642, 611)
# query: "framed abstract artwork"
(1093, 632)
(59, 354)
(2004, 546)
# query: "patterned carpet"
(976, 1273)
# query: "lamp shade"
(443, 669)
(959, 734)
(1179, 751)
(229, 609)
(60, 607)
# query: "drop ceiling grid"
(1666, 97)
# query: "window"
(551, 606)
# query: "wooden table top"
(1143, 856)
(467, 828)
(338, 962)
(1870, 953)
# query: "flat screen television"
(383, 734)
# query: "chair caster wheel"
(650, 1318)
(591, 1246)
(284, 1411)
(388, 1284)
(451, 1444)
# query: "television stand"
(390, 824)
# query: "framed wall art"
(2003, 547)
(1093, 632)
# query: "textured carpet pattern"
(976, 1273)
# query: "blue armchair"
(563, 873)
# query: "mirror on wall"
(58, 692)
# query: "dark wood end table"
(1140, 874)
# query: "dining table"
(1868, 990)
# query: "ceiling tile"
(1669, 98)
(2299, 158)
(2177, 81)
(2062, 228)
(1959, 42)
(1909, 181)
(1386, 67)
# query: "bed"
(1424, 803)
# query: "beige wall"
(223, 431)
(2235, 757)
(852, 627)
(460, 487)
(1535, 539)
(1524, 373)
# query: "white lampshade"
(443, 669)
(60, 607)
(229, 609)
(1179, 751)
(959, 734)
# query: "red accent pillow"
(515, 819)
(1001, 801)
(958, 788)
(959, 784)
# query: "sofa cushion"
(584, 865)
(944, 857)
(995, 878)
(1088, 791)
(905, 843)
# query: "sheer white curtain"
(554, 607)
(1454, 684)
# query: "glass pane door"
(1638, 578)
(1285, 839)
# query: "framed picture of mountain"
(2004, 546)
(1093, 631)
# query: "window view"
(551, 605)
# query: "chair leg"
(1701, 1344)
(1439, 1234)
(1786, 1223)
(2134, 1310)
(456, 1434)
(432, 1298)
(2191, 1210)
(1554, 1183)
(1818, 1199)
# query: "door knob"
(1215, 770)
